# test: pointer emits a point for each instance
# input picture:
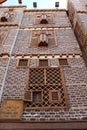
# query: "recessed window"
(43, 62)
(23, 63)
(63, 62)
(56, 4)
(28, 96)
(35, 4)
(43, 40)
(55, 96)
(5, 17)
(46, 88)
(33, 96)
(44, 19)
(37, 96)
(20, 1)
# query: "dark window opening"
(23, 63)
(63, 62)
(5, 17)
(43, 40)
(35, 4)
(37, 96)
(56, 4)
(43, 62)
(28, 96)
(44, 19)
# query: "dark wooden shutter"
(28, 95)
(37, 96)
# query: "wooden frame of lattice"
(30, 96)
(22, 63)
(48, 80)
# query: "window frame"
(38, 61)
(36, 92)
(18, 60)
(59, 96)
(64, 59)
(32, 96)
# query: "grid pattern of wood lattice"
(45, 83)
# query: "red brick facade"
(65, 74)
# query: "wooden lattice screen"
(47, 86)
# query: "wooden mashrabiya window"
(45, 88)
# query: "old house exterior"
(43, 72)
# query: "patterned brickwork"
(81, 28)
(9, 39)
(15, 81)
(75, 82)
(15, 16)
(65, 40)
(78, 5)
(32, 19)
(3, 66)
(77, 110)
(75, 75)
(77, 10)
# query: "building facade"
(43, 74)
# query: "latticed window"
(33, 96)
(63, 62)
(44, 19)
(43, 40)
(43, 62)
(23, 63)
(55, 96)
(47, 87)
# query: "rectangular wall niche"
(46, 89)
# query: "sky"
(41, 4)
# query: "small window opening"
(43, 40)
(44, 19)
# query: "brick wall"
(75, 75)
(3, 67)
(9, 40)
(32, 19)
(15, 16)
(76, 84)
(65, 40)
(78, 15)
